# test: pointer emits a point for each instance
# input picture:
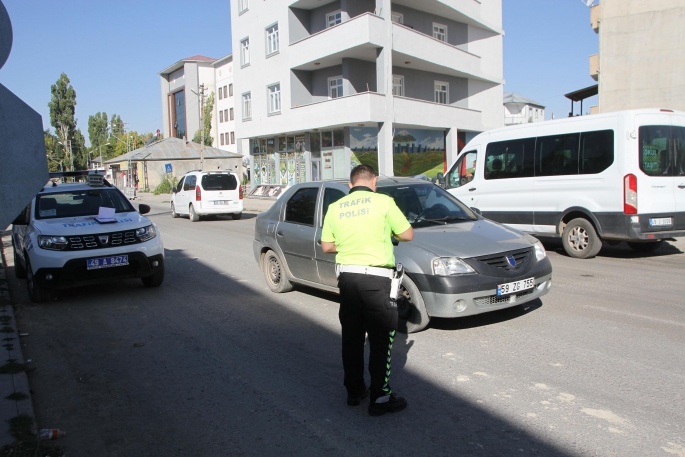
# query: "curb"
(11, 351)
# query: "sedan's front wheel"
(274, 274)
(411, 309)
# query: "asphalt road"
(212, 363)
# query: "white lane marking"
(604, 414)
(449, 354)
(638, 316)
(615, 430)
(541, 386)
(462, 378)
(566, 397)
(675, 449)
(531, 415)
(481, 373)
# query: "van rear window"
(219, 182)
(662, 150)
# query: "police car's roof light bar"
(94, 178)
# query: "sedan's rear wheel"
(411, 308)
(192, 215)
(174, 214)
(274, 273)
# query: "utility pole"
(202, 126)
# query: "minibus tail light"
(630, 194)
(240, 193)
(198, 194)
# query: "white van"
(207, 193)
(615, 176)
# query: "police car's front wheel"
(19, 270)
(155, 279)
(411, 309)
(37, 294)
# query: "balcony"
(410, 112)
(357, 38)
(338, 112)
(426, 53)
(594, 17)
(594, 66)
(464, 11)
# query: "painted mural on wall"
(416, 152)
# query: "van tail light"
(240, 192)
(630, 194)
(198, 194)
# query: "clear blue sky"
(112, 51)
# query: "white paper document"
(105, 215)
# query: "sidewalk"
(15, 396)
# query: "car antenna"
(389, 177)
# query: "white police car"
(84, 233)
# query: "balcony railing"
(416, 112)
(594, 66)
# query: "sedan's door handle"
(472, 189)
(279, 233)
(681, 186)
(318, 241)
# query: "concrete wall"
(320, 82)
(457, 33)
(317, 16)
(359, 74)
(641, 62)
(421, 85)
(298, 24)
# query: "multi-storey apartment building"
(326, 84)
(180, 85)
(640, 62)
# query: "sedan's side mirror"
(476, 210)
(173, 190)
(143, 208)
(21, 219)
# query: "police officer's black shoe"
(356, 399)
(387, 404)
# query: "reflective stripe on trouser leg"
(386, 387)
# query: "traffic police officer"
(358, 228)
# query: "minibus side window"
(679, 145)
(463, 171)
(557, 155)
(596, 151)
(655, 159)
(510, 159)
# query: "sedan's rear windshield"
(427, 203)
(80, 203)
(217, 181)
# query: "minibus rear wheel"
(580, 239)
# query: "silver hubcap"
(578, 239)
(274, 271)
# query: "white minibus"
(617, 176)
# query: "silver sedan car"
(458, 264)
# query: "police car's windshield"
(75, 203)
(425, 204)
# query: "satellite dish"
(588, 3)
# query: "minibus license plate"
(222, 202)
(106, 262)
(516, 286)
(662, 221)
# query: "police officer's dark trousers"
(365, 308)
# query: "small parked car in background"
(205, 193)
(458, 264)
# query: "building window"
(247, 105)
(335, 87)
(245, 52)
(333, 18)
(242, 5)
(230, 90)
(439, 31)
(226, 92)
(225, 115)
(221, 116)
(272, 43)
(274, 98)
(222, 139)
(231, 111)
(220, 94)
(398, 85)
(232, 137)
(397, 17)
(442, 91)
(179, 114)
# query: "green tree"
(53, 151)
(62, 109)
(78, 148)
(97, 129)
(116, 126)
(207, 115)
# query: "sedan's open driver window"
(300, 208)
